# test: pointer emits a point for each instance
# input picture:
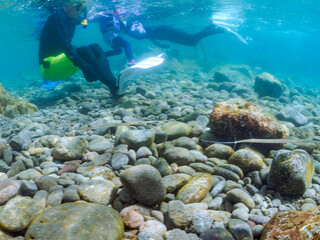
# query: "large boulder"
(11, 107)
(293, 225)
(291, 172)
(240, 119)
(77, 221)
(267, 85)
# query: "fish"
(120, 124)
(261, 140)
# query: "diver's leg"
(126, 46)
(168, 33)
(209, 30)
(116, 48)
(88, 57)
(103, 68)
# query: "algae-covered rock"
(176, 129)
(137, 138)
(267, 85)
(17, 214)
(98, 191)
(196, 189)
(291, 172)
(218, 150)
(11, 107)
(179, 155)
(241, 119)
(247, 159)
(69, 148)
(79, 221)
(293, 225)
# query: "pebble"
(144, 183)
(153, 226)
(201, 221)
(238, 195)
(175, 181)
(215, 203)
(240, 229)
(119, 160)
(8, 190)
(98, 191)
(196, 189)
(132, 219)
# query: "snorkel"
(83, 17)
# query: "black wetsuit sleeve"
(66, 32)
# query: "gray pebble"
(201, 221)
(240, 230)
(257, 231)
(241, 214)
(218, 188)
(28, 188)
(309, 193)
(119, 160)
(215, 203)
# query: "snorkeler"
(171, 34)
(110, 26)
(59, 60)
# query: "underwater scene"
(160, 120)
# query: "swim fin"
(129, 74)
(50, 84)
(223, 26)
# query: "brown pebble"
(132, 219)
(67, 168)
(251, 224)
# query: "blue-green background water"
(283, 36)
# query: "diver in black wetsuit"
(60, 60)
(171, 34)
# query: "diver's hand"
(46, 64)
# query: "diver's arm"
(68, 49)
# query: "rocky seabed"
(87, 166)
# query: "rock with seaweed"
(11, 107)
(291, 172)
(240, 119)
(293, 225)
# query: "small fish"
(120, 124)
(258, 140)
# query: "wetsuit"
(56, 38)
(110, 27)
(168, 33)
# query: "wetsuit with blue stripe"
(110, 27)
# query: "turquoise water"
(283, 36)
